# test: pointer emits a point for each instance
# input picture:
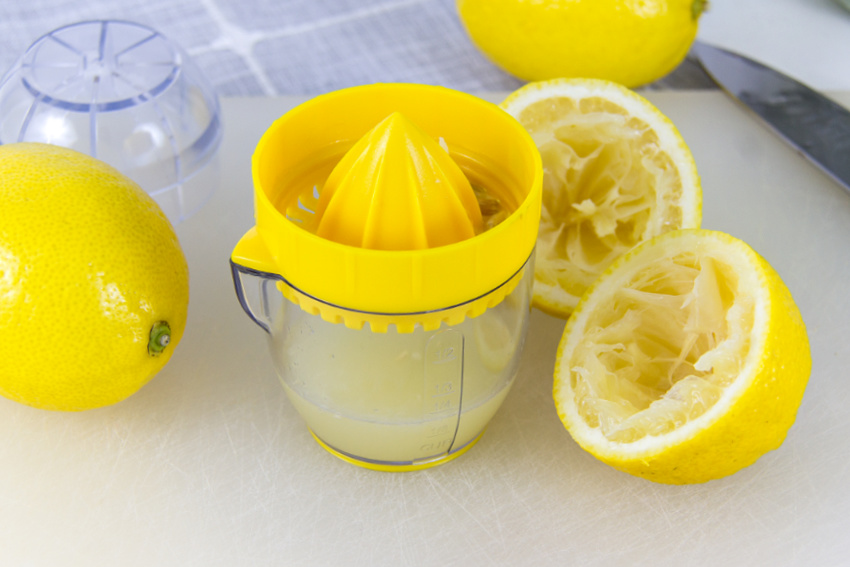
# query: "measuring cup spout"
(255, 281)
(257, 292)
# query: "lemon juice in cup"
(394, 293)
(404, 397)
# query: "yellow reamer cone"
(397, 189)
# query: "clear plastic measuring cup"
(396, 356)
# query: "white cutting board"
(209, 465)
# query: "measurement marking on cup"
(442, 390)
(437, 446)
(440, 406)
(439, 431)
(444, 355)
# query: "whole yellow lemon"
(631, 42)
(94, 287)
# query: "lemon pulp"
(616, 173)
(671, 340)
(685, 361)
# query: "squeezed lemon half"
(685, 362)
(616, 172)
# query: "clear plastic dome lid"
(125, 94)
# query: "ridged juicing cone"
(397, 189)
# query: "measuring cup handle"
(254, 290)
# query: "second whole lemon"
(94, 286)
(627, 41)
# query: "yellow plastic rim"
(397, 467)
(403, 322)
(389, 281)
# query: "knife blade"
(814, 125)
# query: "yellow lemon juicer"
(391, 266)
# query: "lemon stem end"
(160, 336)
(698, 7)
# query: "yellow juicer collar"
(422, 258)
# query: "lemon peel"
(84, 251)
(632, 43)
(685, 362)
